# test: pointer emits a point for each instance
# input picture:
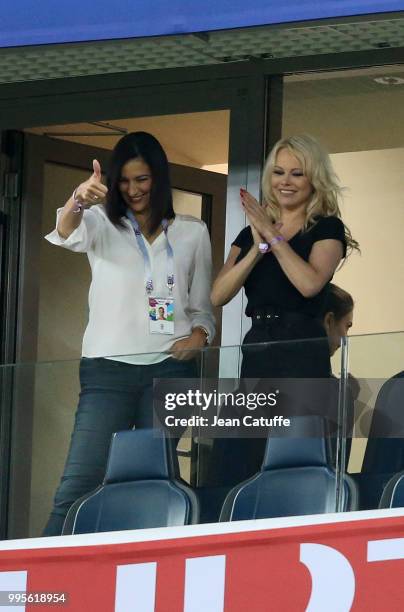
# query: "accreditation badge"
(161, 315)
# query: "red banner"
(320, 564)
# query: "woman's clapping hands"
(262, 228)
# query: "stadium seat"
(139, 490)
(295, 478)
(384, 455)
(393, 494)
(385, 447)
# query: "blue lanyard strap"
(146, 258)
(170, 257)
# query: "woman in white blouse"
(143, 257)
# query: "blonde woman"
(285, 260)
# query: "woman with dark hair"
(140, 146)
(142, 256)
(337, 318)
(338, 313)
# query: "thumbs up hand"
(92, 191)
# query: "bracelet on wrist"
(78, 205)
(204, 331)
(275, 240)
(264, 247)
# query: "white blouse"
(118, 322)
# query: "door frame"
(27, 316)
(213, 213)
(245, 98)
(11, 153)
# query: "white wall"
(373, 209)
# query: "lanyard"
(146, 258)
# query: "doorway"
(55, 164)
(239, 97)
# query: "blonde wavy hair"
(317, 167)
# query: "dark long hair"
(338, 301)
(147, 147)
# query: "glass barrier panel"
(374, 393)
(278, 412)
(222, 427)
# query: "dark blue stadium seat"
(138, 491)
(393, 494)
(384, 455)
(295, 477)
(385, 448)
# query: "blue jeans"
(114, 396)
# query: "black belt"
(270, 314)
